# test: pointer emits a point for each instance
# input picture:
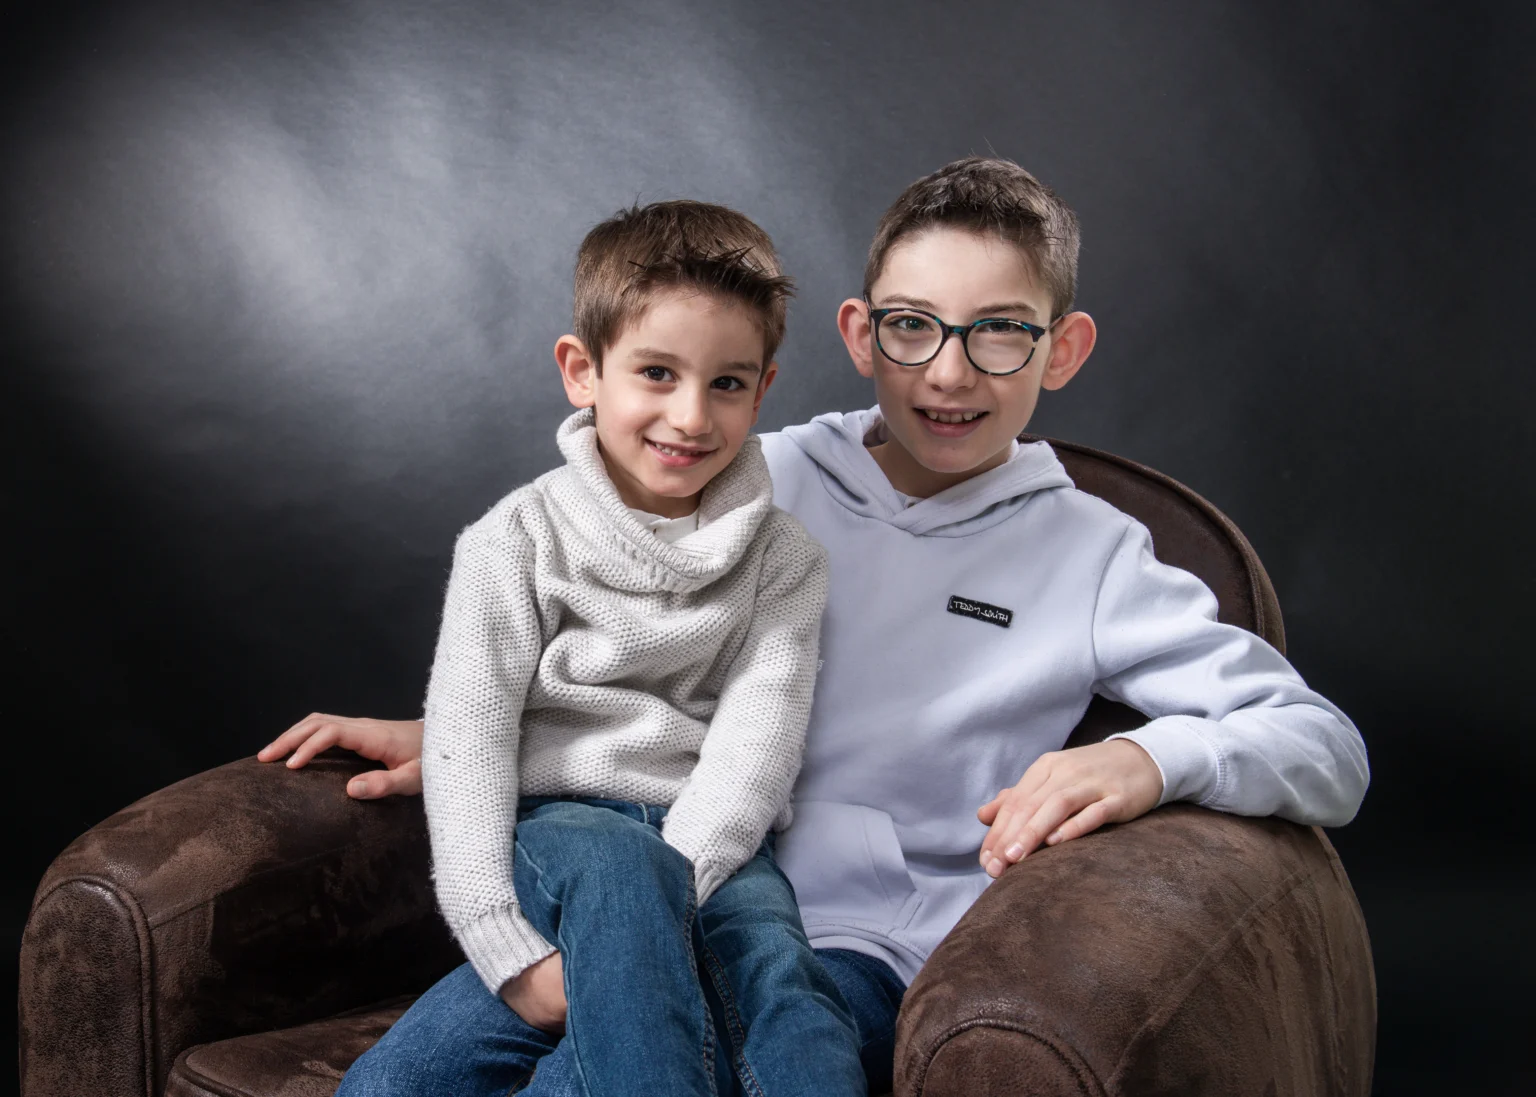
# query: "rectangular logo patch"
(969, 607)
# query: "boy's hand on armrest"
(396, 743)
(1066, 794)
(537, 994)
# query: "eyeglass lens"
(912, 338)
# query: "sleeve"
(1234, 727)
(486, 654)
(752, 751)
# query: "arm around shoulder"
(1233, 725)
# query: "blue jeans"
(596, 879)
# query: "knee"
(371, 1076)
(757, 895)
(600, 852)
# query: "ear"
(578, 372)
(853, 326)
(1070, 347)
(770, 371)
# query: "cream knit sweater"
(581, 655)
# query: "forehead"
(694, 324)
(959, 271)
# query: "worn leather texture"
(303, 1061)
(243, 899)
(1188, 952)
(249, 931)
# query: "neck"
(911, 478)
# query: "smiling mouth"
(678, 451)
(951, 416)
(678, 457)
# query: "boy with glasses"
(977, 602)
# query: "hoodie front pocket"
(846, 864)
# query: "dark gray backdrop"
(280, 282)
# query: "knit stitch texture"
(581, 655)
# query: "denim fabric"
(457, 1040)
(597, 880)
(872, 991)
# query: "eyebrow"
(667, 358)
(985, 310)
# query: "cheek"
(735, 415)
(1019, 404)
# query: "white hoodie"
(922, 713)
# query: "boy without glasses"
(977, 602)
(618, 703)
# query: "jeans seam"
(737, 1030)
(690, 913)
(520, 850)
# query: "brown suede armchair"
(251, 930)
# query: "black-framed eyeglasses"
(996, 345)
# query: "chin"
(952, 460)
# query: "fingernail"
(1054, 838)
(996, 867)
(1015, 851)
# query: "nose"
(688, 411)
(951, 370)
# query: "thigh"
(780, 1007)
(873, 993)
(575, 863)
(757, 896)
(457, 1040)
(753, 943)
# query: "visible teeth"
(670, 452)
(951, 417)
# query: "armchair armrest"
(242, 899)
(1188, 952)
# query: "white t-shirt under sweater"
(670, 530)
(582, 654)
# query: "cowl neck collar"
(731, 508)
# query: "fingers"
(294, 736)
(1027, 829)
(988, 811)
(1065, 795)
(1091, 818)
(403, 780)
(325, 738)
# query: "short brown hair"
(991, 196)
(679, 244)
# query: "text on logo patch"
(969, 607)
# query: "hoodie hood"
(837, 443)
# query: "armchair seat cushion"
(303, 1061)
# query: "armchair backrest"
(1187, 532)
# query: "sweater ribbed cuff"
(1190, 766)
(708, 872)
(707, 878)
(501, 943)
